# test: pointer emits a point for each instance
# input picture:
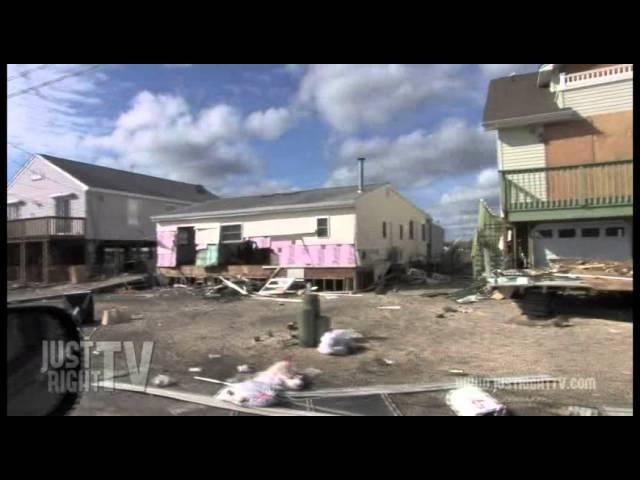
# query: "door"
(186, 246)
(63, 212)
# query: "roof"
(277, 200)
(518, 96)
(95, 176)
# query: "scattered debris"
(448, 309)
(281, 300)
(137, 317)
(186, 409)
(458, 371)
(213, 356)
(311, 372)
(471, 401)
(576, 411)
(470, 299)
(276, 286)
(562, 321)
(387, 362)
(497, 295)
(465, 310)
(256, 339)
(209, 401)
(389, 307)
(162, 381)
(244, 369)
(617, 411)
(233, 285)
(440, 315)
(281, 376)
(179, 285)
(336, 342)
(195, 369)
(292, 326)
(113, 316)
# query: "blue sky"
(244, 129)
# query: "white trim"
(325, 217)
(138, 195)
(17, 201)
(597, 76)
(83, 186)
(251, 211)
(560, 115)
(71, 195)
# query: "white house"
(340, 238)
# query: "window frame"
(582, 230)
(222, 227)
(17, 206)
(384, 229)
(133, 212)
(560, 230)
(401, 232)
(423, 232)
(619, 232)
(411, 230)
(327, 234)
(539, 234)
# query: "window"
(13, 211)
(590, 232)
(410, 229)
(401, 233)
(566, 233)
(63, 207)
(231, 233)
(322, 227)
(614, 231)
(544, 233)
(424, 232)
(384, 229)
(133, 211)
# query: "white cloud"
(349, 97)
(269, 124)
(496, 70)
(488, 177)
(53, 118)
(417, 158)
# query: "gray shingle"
(95, 176)
(302, 197)
(517, 96)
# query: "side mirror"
(43, 359)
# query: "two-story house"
(62, 212)
(338, 238)
(565, 157)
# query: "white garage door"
(591, 240)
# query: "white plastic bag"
(249, 394)
(336, 342)
(281, 376)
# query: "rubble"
(471, 401)
(162, 381)
(336, 342)
(244, 369)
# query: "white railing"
(596, 76)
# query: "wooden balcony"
(594, 190)
(45, 227)
(596, 77)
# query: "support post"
(45, 261)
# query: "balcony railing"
(45, 227)
(596, 76)
(576, 186)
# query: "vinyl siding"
(604, 98)
(522, 148)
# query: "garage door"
(610, 241)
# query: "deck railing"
(596, 76)
(575, 186)
(45, 227)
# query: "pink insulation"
(166, 248)
(289, 253)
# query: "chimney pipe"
(361, 181)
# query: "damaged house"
(565, 158)
(62, 212)
(338, 239)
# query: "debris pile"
(581, 265)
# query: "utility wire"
(26, 72)
(55, 80)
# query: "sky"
(252, 129)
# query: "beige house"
(338, 238)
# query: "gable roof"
(518, 96)
(301, 198)
(95, 176)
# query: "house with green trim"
(565, 158)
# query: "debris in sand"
(386, 361)
(448, 309)
(256, 339)
(281, 376)
(213, 356)
(465, 310)
(389, 307)
(179, 285)
(471, 401)
(336, 342)
(497, 295)
(470, 299)
(292, 326)
(162, 381)
(440, 315)
(113, 316)
(137, 317)
(244, 369)
(577, 411)
(458, 371)
(195, 369)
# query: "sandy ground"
(593, 357)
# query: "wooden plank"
(233, 285)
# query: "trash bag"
(281, 376)
(249, 394)
(336, 342)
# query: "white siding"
(521, 148)
(36, 194)
(299, 227)
(387, 205)
(604, 98)
(108, 216)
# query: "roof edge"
(563, 114)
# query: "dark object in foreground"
(38, 384)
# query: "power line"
(55, 80)
(26, 72)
